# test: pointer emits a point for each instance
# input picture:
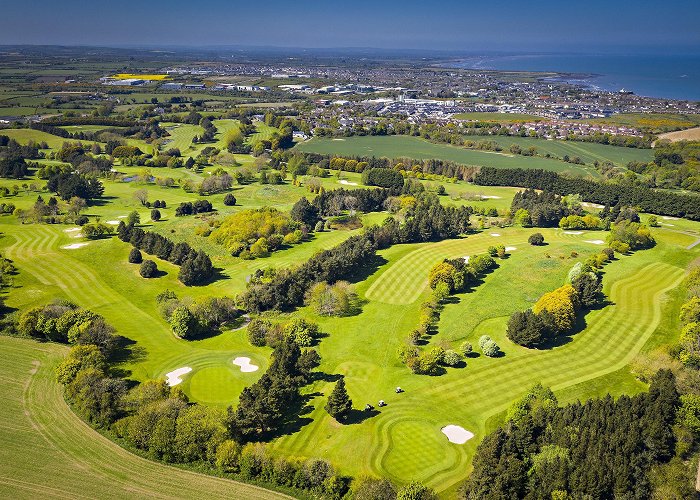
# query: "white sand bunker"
(73, 246)
(245, 364)
(592, 205)
(175, 376)
(573, 232)
(495, 234)
(490, 197)
(510, 249)
(666, 217)
(466, 258)
(121, 217)
(72, 230)
(113, 222)
(595, 242)
(456, 434)
(348, 183)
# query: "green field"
(413, 147)
(48, 452)
(587, 151)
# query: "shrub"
(490, 348)
(482, 340)
(466, 348)
(229, 200)
(135, 256)
(451, 358)
(148, 269)
(536, 239)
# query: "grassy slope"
(588, 152)
(413, 147)
(48, 452)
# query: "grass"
(588, 152)
(23, 136)
(652, 122)
(36, 424)
(413, 147)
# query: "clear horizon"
(541, 26)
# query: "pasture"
(413, 147)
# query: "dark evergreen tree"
(339, 404)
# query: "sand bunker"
(595, 242)
(113, 222)
(666, 217)
(510, 249)
(490, 197)
(174, 377)
(592, 205)
(245, 364)
(73, 246)
(573, 232)
(495, 234)
(466, 258)
(456, 434)
(348, 183)
(72, 230)
(121, 217)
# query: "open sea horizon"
(665, 76)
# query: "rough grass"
(691, 134)
(48, 452)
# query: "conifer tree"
(339, 403)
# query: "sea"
(666, 76)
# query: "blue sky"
(541, 25)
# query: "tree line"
(195, 266)
(643, 198)
(601, 448)
(284, 289)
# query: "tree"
(80, 357)
(339, 404)
(589, 289)
(155, 215)
(536, 239)
(369, 488)
(133, 219)
(527, 329)
(135, 256)
(304, 212)
(183, 323)
(331, 300)
(415, 491)
(561, 304)
(229, 200)
(141, 195)
(148, 269)
(227, 455)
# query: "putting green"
(215, 385)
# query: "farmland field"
(412, 147)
